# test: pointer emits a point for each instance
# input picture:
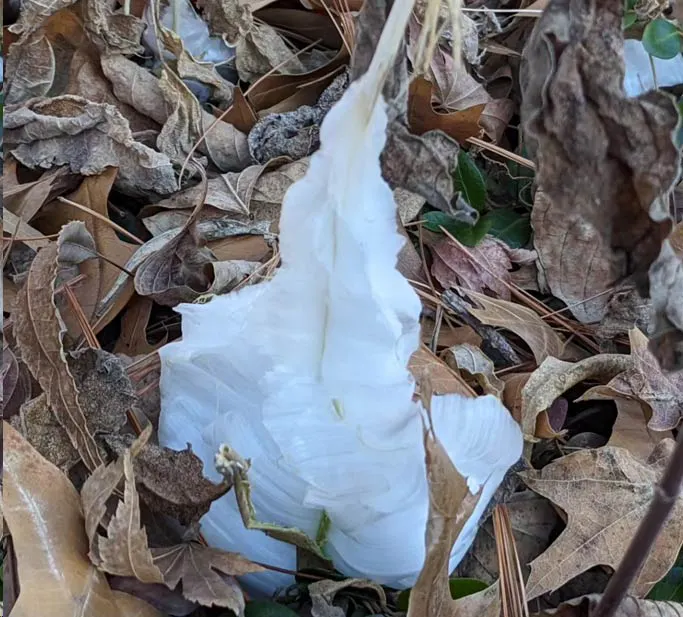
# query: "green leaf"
(661, 39)
(469, 182)
(468, 235)
(629, 5)
(630, 18)
(266, 608)
(509, 226)
(460, 587)
(670, 588)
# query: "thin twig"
(665, 496)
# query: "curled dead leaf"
(659, 394)
(39, 333)
(543, 341)
(554, 377)
(476, 363)
(630, 606)
(442, 379)
(605, 494)
(88, 137)
(609, 213)
(30, 68)
(42, 511)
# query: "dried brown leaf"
(230, 17)
(206, 573)
(549, 422)
(101, 273)
(26, 199)
(170, 481)
(442, 379)
(424, 165)
(30, 68)
(610, 214)
(455, 265)
(460, 125)
(132, 340)
(659, 394)
(543, 341)
(450, 505)
(323, 593)
(112, 31)
(477, 364)
(179, 271)
(43, 514)
(34, 13)
(40, 427)
(630, 430)
(188, 122)
(554, 377)
(605, 494)
(629, 607)
(16, 381)
(125, 550)
(455, 89)
(87, 80)
(69, 130)
(39, 333)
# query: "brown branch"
(663, 501)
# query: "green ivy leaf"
(661, 39)
(509, 226)
(460, 587)
(670, 588)
(630, 18)
(266, 608)
(470, 182)
(468, 235)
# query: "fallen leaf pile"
(148, 146)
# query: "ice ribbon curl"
(306, 374)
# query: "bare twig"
(637, 552)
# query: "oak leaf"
(605, 494)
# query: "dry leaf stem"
(665, 496)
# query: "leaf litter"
(92, 121)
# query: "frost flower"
(306, 374)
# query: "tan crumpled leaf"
(69, 130)
(628, 607)
(549, 422)
(137, 87)
(455, 265)
(112, 30)
(262, 49)
(450, 505)
(87, 80)
(630, 430)
(554, 377)
(605, 162)
(42, 511)
(543, 341)
(231, 18)
(659, 394)
(605, 494)
(323, 593)
(475, 362)
(187, 123)
(206, 573)
(34, 13)
(455, 88)
(27, 198)
(179, 271)
(39, 331)
(30, 68)
(101, 273)
(442, 379)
